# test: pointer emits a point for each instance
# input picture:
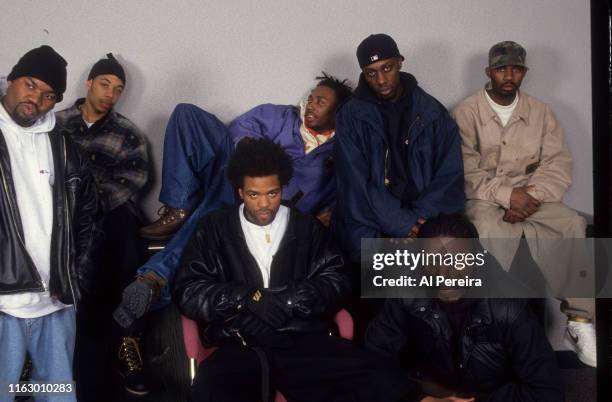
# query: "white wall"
(229, 56)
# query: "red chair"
(196, 352)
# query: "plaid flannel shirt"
(116, 150)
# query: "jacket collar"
(236, 236)
(479, 313)
(74, 113)
(486, 112)
(424, 108)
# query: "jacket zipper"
(44, 285)
(67, 223)
(387, 181)
(418, 117)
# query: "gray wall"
(229, 56)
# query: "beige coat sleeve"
(553, 176)
(479, 184)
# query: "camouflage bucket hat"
(507, 53)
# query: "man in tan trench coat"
(517, 169)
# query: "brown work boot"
(170, 220)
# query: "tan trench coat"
(530, 149)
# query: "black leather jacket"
(76, 223)
(218, 273)
(505, 355)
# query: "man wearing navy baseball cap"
(398, 154)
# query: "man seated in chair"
(263, 280)
(517, 170)
(457, 343)
(197, 148)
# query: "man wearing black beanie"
(117, 154)
(48, 226)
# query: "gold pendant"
(268, 237)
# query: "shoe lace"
(130, 353)
(163, 211)
(169, 214)
(585, 334)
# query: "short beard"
(21, 121)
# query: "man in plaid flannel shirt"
(117, 153)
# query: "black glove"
(252, 331)
(136, 299)
(271, 306)
(250, 326)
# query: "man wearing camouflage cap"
(517, 169)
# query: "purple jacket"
(312, 173)
(312, 177)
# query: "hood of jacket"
(44, 124)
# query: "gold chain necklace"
(267, 233)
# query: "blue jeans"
(197, 148)
(49, 340)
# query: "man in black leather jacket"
(48, 224)
(491, 349)
(263, 281)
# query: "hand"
(137, 297)
(251, 331)
(414, 231)
(522, 202)
(447, 399)
(270, 306)
(251, 327)
(325, 217)
(512, 217)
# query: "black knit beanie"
(110, 65)
(45, 64)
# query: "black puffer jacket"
(76, 227)
(218, 273)
(505, 355)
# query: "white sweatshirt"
(263, 241)
(33, 177)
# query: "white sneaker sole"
(569, 343)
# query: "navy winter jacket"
(365, 208)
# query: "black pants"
(121, 253)
(313, 368)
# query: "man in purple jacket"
(197, 148)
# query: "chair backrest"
(345, 324)
(196, 352)
(191, 338)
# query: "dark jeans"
(315, 367)
(117, 259)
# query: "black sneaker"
(134, 380)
